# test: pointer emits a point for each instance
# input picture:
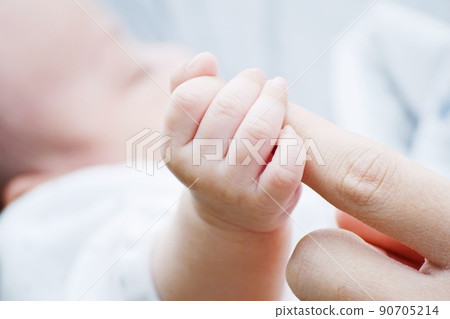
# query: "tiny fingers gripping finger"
(187, 106)
(261, 124)
(230, 105)
(282, 176)
(376, 185)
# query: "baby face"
(68, 90)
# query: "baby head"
(70, 96)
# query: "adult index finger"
(377, 185)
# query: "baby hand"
(230, 139)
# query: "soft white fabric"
(58, 239)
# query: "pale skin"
(78, 97)
(212, 252)
(370, 182)
(386, 191)
(230, 239)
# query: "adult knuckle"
(368, 178)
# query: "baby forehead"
(59, 36)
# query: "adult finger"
(336, 264)
(376, 238)
(377, 186)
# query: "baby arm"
(230, 237)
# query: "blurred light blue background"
(281, 37)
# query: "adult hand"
(386, 191)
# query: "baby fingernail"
(289, 130)
(279, 83)
(192, 64)
(259, 72)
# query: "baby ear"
(203, 64)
